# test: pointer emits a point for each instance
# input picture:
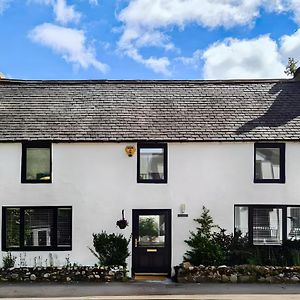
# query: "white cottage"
(68, 166)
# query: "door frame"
(168, 213)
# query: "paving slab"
(174, 297)
(160, 289)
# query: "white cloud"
(147, 23)
(158, 65)
(4, 4)
(257, 58)
(93, 2)
(233, 58)
(69, 43)
(294, 6)
(210, 13)
(144, 20)
(290, 45)
(146, 17)
(192, 61)
(65, 13)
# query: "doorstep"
(150, 277)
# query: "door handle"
(135, 243)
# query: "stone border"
(62, 274)
(186, 273)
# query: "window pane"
(267, 162)
(152, 231)
(241, 219)
(12, 227)
(151, 163)
(267, 224)
(64, 218)
(38, 163)
(293, 223)
(38, 227)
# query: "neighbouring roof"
(180, 110)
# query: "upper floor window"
(269, 166)
(36, 162)
(36, 228)
(152, 163)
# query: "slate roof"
(234, 110)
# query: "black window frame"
(281, 147)
(22, 247)
(34, 144)
(163, 146)
(251, 207)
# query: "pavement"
(149, 290)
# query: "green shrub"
(8, 261)
(211, 245)
(110, 249)
(204, 249)
(236, 248)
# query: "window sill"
(152, 181)
(281, 181)
(36, 181)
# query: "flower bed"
(186, 273)
(62, 274)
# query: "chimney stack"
(297, 75)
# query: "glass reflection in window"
(151, 163)
(152, 231)
(241, 219)
(38, 226)
(38, 164)
(293, 223)
(267, 226)
(13, 227)
(267, 162)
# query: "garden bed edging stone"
(186, 273)
(62, 274)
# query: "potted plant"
(122, 224)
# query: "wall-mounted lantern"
(182, 208)
(182, 211)
(130, 150)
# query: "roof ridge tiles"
(142, 81)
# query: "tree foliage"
(291, 67)
(148, 227)
(204, 249)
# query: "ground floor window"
(36, 228)
(268, 224)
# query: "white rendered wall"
(99, 180)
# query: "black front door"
(151, 244)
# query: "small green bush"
(8, 261)
(110, 249)
(204, 249)
(235, 246)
